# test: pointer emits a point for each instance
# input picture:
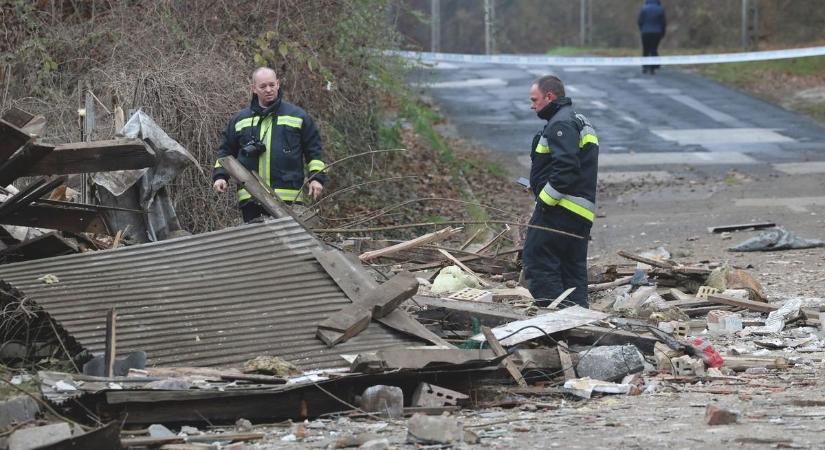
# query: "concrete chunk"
(17, 409)
(610, 363)
(31, 438)
(423, 429)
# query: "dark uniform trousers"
(554, 262)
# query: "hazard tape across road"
(538, 60)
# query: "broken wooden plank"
(380, 302)
(344, 324)
(435, 236)
(464, 259)
(274, 206)
(17, 164)
(538, 358)
(740, 303)
(206, 438)
(463, 267)
(741, 227)
(12, 138)
(524, 330)
(609, 285)
(389, 295)
(742, 363)
(643, 260)
(494, 239)
(561, 298)
(94, 156)
(17, 117)
(498, 350)
(403, 322)
(46, 245)
(74, 217)
(418, 358)
(566, 361)
(29, 194)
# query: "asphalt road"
(673, 123)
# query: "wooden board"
(17, 165)
(274, 206)
(11, 139)
(44, 246)
(76, 218)
(566, 361)
(498, 350)
(94, 156)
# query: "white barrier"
(541, 60)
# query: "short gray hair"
(261, 69)
(550, 83)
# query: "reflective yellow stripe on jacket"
(578, 205)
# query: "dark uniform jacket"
(652, 18)
(293, 147)
(565, 156)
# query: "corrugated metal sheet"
(212, 299)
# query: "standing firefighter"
(276, 139)
(563, 178)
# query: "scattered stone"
(584, 387)
(423, 429)
(375, 444)
(31, 438)
(353, 440)
(610, 363)
(724, 322)
(17, 409)
(243, 426)
(190, 431)
(159, 431)
(169, 384)
(387, 400)
(271, 365)
(715, 415)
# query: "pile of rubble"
(265, 333)
(319, 353)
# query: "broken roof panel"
(212, 299)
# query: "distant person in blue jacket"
(652, 25)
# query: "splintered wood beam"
(275, 207)
(11, 139)
(499, 350)
(76, 218)
(31, 193)
(406, 245)
(17, 117)
(94, 156)
(17, 165)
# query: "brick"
(716, 415)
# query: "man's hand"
(315, 189)
(220, 186)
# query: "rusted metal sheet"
(212, 299)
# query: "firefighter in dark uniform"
(276, 139)
(563, 178)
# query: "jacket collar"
(261, 111)
(553, 107)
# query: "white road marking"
(473, 82)
(703, 136)
(795, 204)
(627, 118)
(624, 177)
(801, 168)
(598, 105)
(678, 158)
(714, 114)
